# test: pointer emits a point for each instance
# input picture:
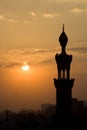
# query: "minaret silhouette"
(63, 84)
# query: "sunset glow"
(25, 67)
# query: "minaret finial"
(63, 27)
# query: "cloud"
(16, 57)
(36, 56)
(81, 50)
(27, 22)
(50, 15)
(76, 1)
(33, 14)
(78, 10)
(13, 65)
(2, 17)
(12, 20)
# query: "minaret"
(63, 84)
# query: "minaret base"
(63, 96)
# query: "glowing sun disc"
(25, 67)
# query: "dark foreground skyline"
(44, 119)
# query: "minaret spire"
(63, 39)
(63, 27)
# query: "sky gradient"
(29, 32)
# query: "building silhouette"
(63, 84)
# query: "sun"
(25, 67)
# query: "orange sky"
(29, 32)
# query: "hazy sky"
(29, 32)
